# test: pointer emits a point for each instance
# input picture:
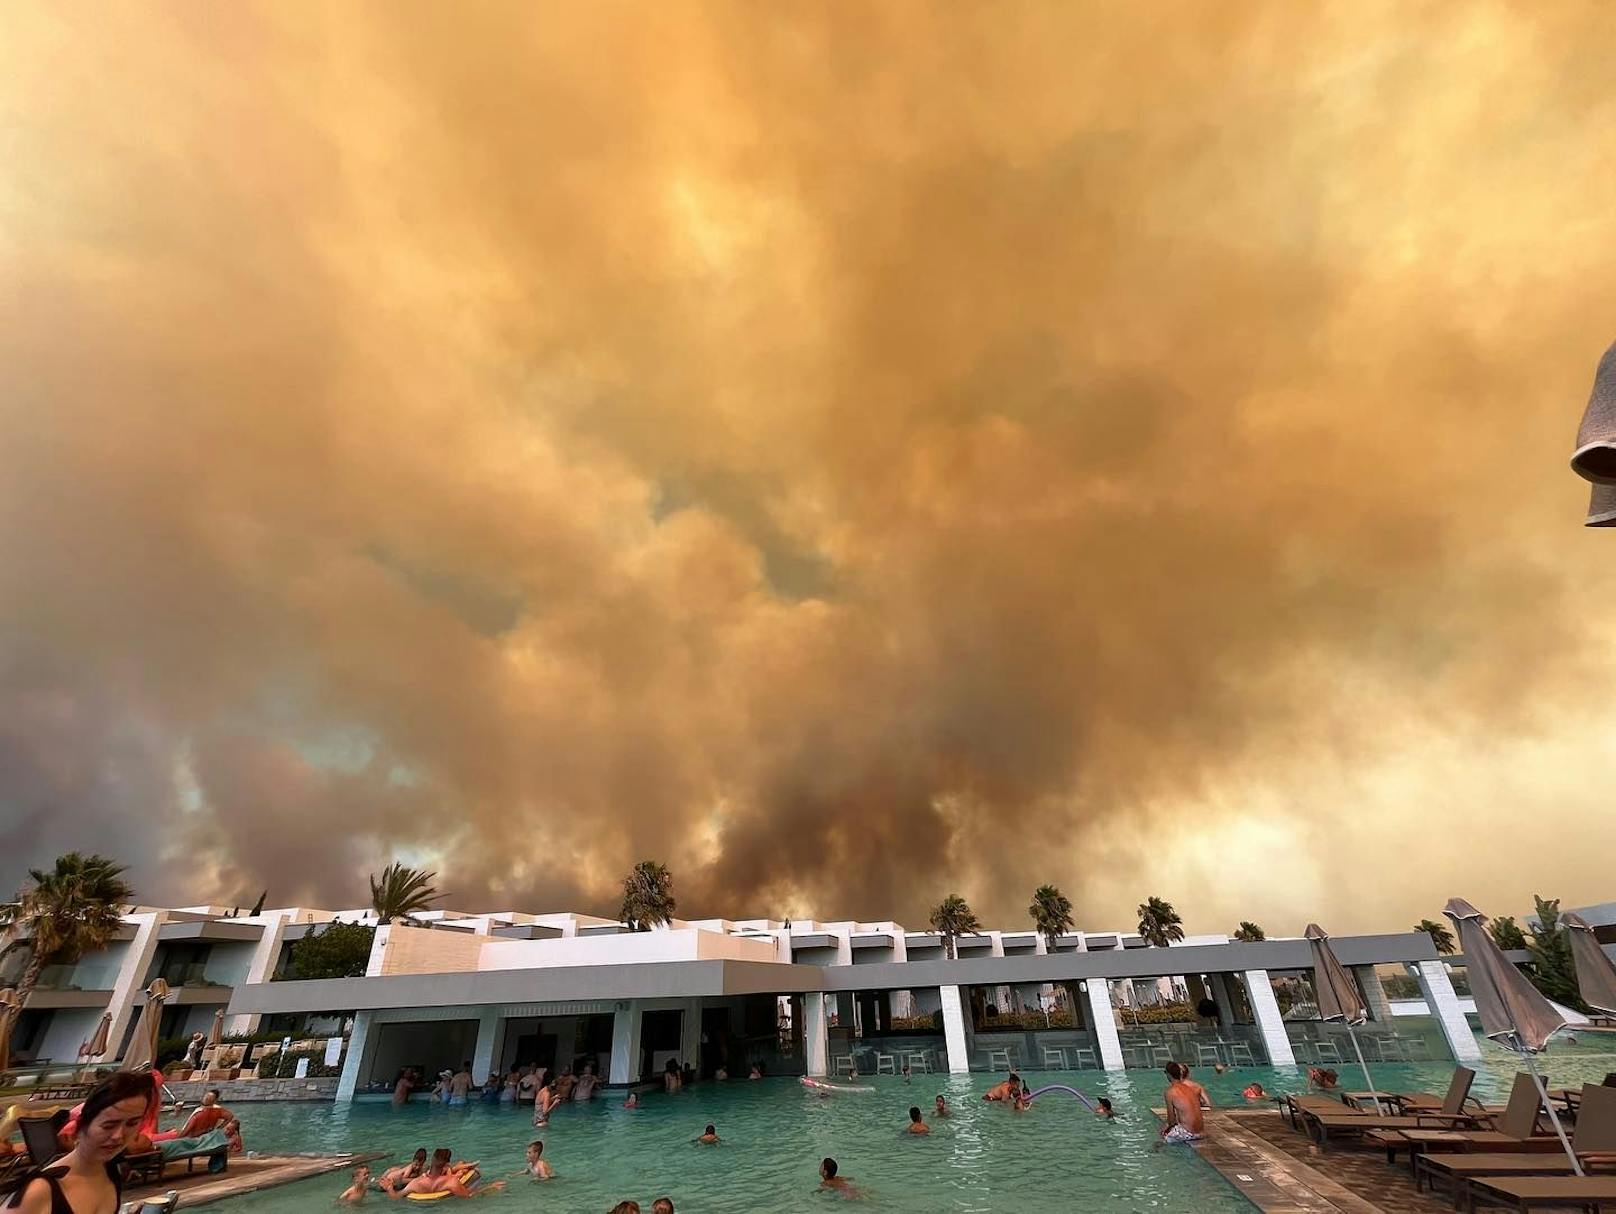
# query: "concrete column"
(359, 1048)
(626, 1044)
(261, 967)
(489, 1027)
(690, 1035)
(1444, 1005)
(815, 1034)
(1260, 994)
(959, 1060)
(1373, 992)
(137, 959)
(1222, 997)
(1104, 1018)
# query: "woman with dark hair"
(87, 1179)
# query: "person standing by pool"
(916, 1125)
(1183, 1101)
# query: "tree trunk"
(30, 977)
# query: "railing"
(1155, 1045)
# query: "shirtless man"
(1183, 1101)
(565, 1083)
(587, 1083)
(404, 1086)
(1005, 1090)
(537, 1166)
(709, 1136)
(916, 1125)
(1200, 1092)
(439, 1179)
(405, 1172)
(355, 1193)
(828, 1179)
(460, 1085)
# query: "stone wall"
(247, 1091)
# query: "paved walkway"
(247, 1176)
(1280, 1172)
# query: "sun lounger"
(1322, 1124)
(1594, 1144)
(1514, 1130)
(1457, 1096)
(1543, 1192)
(1293, 1107)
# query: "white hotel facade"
(806, 997)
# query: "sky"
(850, 453)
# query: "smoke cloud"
(849, 454)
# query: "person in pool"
(545, 1102)
(662, 1205)
(916, 1125)
(626, 1207)
(1254, 1091)
(1004, 1090)
(1103, 1109)
(86, 1180)
(941, 1109)
(631, 1101)
(355, 1193)
(1323, 1078)
(756, 1072)
(828, 1179)
(405, 1172)
(537, 1166)
(440, 1178)
(1022, 1101)
(709, 1136)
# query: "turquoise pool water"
(1058, 1156)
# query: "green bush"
(273, 1066)
(339, 950)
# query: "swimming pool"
(982, 1159)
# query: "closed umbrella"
(1339, 997)
(1595, 457)
(97, 1044)
(142, 1051)
(8, 1016)
(216, 1036)
(1596, 974)
(1601, 507)
(1512, 1011)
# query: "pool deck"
(246, 1176)
(1279, 1171)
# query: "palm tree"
(1051, 913)
(1440, 935)
(1249, 932)
(72, 909)
(647, 896)
(953, 918)
(400, 892)
(1159, 923)
(1506, 933)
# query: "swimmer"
(439, 1178)
(662, 1205)
(709, 1136)
(631, 1101)
(906, 1072)
(941, 1110)
(721, 1075)
(1254, 1091)
(355, 1193)
(1022, 1100)
(828, 1179)
(405, 1172)
(537, 1166)
(1323, 1078)
(1103, 1109)
(916, 1125)
(756, 1072)
(626, 1207)
(1218, 1068)
(1005, 1089)
(544, 1102)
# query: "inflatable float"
(1060, 1087)
(819, 1085)
(438, 1196)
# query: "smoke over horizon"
(849, 455)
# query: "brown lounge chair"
(1321, 1125)
(1294, 1107)
(1594, 1142)
(1411, 1102)
(1515, 1131)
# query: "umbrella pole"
(1554, 1117)
(1358, 1049)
